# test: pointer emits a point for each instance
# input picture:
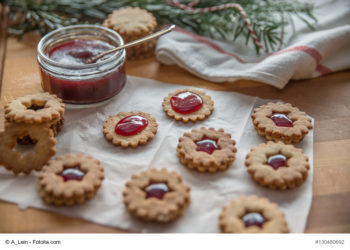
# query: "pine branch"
(228, 24)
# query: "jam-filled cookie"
(156, 195)
(37, 109)
(206, 150)
(130, 129)
(188, 105)
(70, 179)
(281, 122)
(277, 165)
(252, 215)
(44, 147)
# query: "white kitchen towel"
(306, 53)
(82, 132)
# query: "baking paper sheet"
(82, 132)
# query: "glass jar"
(82, 83)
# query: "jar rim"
(117, 55)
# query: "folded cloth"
(306, 53)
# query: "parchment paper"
(82, 132)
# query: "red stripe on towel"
(308, 50)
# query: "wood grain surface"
(326, 98)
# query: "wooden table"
(327, 99)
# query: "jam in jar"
(63, 54)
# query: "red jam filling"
(131, 125)
(156, 190)
(253, 219)
(70, 174)
(82, 91)
(186, 102)
(281, 120)
(207, 145)
(277, 161)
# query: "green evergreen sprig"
(267, 17)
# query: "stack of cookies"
(133, 24)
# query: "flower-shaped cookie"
(70, 179)
(44, 147)
(37, 108)
(188, 105)
(130, 128)
(281, 122)
(277, 165)
(132, 24)
(206, 150)
(252, 215)
(156, 195)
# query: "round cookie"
(281, 122)
(70, 179)
(36, 109)
(132, 24)
(277, 165)
(156, 195)
(188, 105)
(206, 150)
(130, 129)
(44, 147)
(252, 215)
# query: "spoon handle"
(141, 40)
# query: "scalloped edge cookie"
(18, 111)
(230, 218)
(267, 128)
(129, 141)
(55, 191)
(220, 159)
(284, 177)
(201, 114)
(162, 210)
(43, 151)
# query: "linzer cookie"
(206, 150)
(132, 24)
(281, 122)
(130, 129)
(277, 165)
(156, 195)
(70, 179)
(252, 215)
(36, 109)
(44, 147)
(188, 105)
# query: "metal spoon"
(141, 40)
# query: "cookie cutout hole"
(186, 102)
(25, 145)
(253, 219)
(131, 125)
(156, 190)
(277, 161)
(207, 145)
(36, 105)
(281, 119)
(72, 173)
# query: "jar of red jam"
(65, 71)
